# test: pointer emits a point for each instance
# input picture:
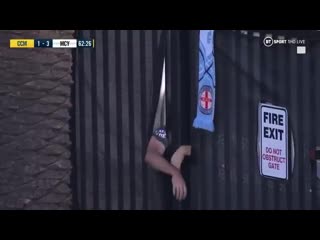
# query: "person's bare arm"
(178, 157)
(155, 159)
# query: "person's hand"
(179, 187)
(178, 157)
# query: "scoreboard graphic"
(51, 43)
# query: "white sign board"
(273, 141)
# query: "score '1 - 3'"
(43, 43)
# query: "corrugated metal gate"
(116, 90)
(226, 174)
(115, 104)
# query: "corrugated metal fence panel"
(180, 76)
(116, 85)
(226, 174)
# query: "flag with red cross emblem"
(206, 81)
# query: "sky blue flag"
(207, 82)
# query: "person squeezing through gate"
(164, 156)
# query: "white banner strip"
(64, 43)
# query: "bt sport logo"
(269, 41)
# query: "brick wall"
(34, 130)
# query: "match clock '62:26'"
(85, 43)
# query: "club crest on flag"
(206, 99)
